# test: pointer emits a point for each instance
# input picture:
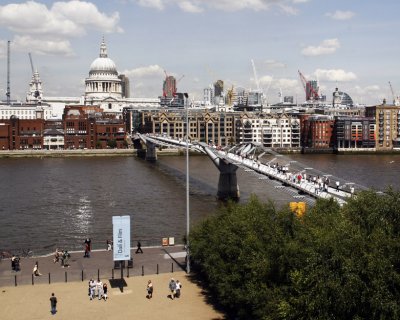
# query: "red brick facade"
(82, 128)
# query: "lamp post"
(187, 185)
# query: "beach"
(32, 302)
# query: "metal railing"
(128, 270)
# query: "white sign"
(121, 237)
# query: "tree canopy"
(332, 263)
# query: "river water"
(58, 202)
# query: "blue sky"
(352, 44)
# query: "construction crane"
(177, 81)
(35, 78)
(309, 90)
(396, 101)
(8, 93)
(255, 75)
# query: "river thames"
(58, 202)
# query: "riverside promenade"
(24, 298)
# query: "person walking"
(100, 289)
(88, 247)
(149, 289)
(105, 289)
(92, 286)
(172, 288)
(139, 247)
(53, 303)
(178, 289)
(109, 245)
(35, 271)
(13, 258)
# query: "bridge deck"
(286, 179)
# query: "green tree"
(333, 263)
(112, 144)
(240, 252)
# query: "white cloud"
(368, 89)
(144, 72)
(156, 4)
(62, 19)
(328, 46)
(373, 94)
(341, 15)
(265, 81)
(3, 49)
(334, 75)
(288, 84)
(195, 6)
(274, 64)
(42, 46)
(289, 10)
(86, 14)
(188, 6)
(237, 5)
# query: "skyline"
(346, 44)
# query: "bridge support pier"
(151, 152)
(227, 185)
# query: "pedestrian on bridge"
(337, 186)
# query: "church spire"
(103, 49)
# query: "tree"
(332, 263)
(112, 144)
(239, 252)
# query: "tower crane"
(313, 93)
(8, 93)
(177, 81)
(35, 79)
(396, 101)
(255, 75)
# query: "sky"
(349, 44)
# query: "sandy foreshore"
(32, 302)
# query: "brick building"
(20, 134)
(82, 127)
(317, 133)
(387, 127)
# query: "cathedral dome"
(103, 81)
(103, 64)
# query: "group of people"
(62, 256)
(174, 286)
(98, 289)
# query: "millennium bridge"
(301, 182)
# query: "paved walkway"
(161, 259)
(27, 301)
